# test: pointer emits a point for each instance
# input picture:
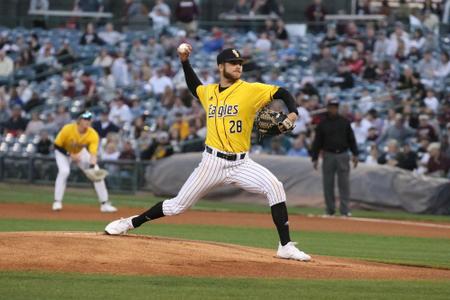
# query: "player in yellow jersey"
(230, 108)
(78, 142)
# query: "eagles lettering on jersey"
(222, 111)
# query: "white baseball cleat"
(121, 226)
(107, 208)
(57, 205)
(289, 251)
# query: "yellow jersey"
(230, 114)
(70, 139)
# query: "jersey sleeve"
(93, 142)
(263, 93)
(201, 93)
(61, 137)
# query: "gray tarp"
(379, 187)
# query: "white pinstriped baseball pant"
(214, 171)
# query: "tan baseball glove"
(270, 122)
(95, 174)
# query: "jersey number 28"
(236, 126)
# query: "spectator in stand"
(111, 36)
(401, 54)
(299, 148)
(360, 128)
(399, 34)
(127, 152)
(418, 40)
(138, 51)
(431, 21)
(372, 158)
(160, 16)
(120, 113)
(407, 158)
(267, 7)
(430, 101)
(90, 37)
(89, 90)
(186, 13)
(215, 42)
(103, 59)
(315, 14)
(88, 5)
(65, 55)
(159, 149)
(263, 44)
(16, 124)
(280, 30)
(427, 65)
(380, 47)
(355, 64)
(346, 80)
(397, 131)
(132, 10)
(5, 113)
(50, 126)
(363, 7)
(14, 98)
(411, 81)
(6, 64)
(385, 8)
(45, 145)
(331, 38)
(443, 69)
(241, 7)
(120, 70)
(35, 101)
(68, 84)
(326, 64)
(425, 130)
(372, 135)
(62, 117)
(438, 164)
(391, 156)
(414, 55)
(181, 126)
(35, 125)
(159, 82)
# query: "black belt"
(336, 151)
(226, 156)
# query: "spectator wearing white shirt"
(443, 70)
(431, 101)
(159, 82)
(418, 39)
(398, 34)
(24, 90)
(120, 71)
(6, 64)
(103, 59)
(263, 44)
(360, 128)
(35, 126)
(304, 118)
(427, 65)
(111, 36)
(160, 16)
(120, 113)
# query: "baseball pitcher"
(231, 106)
(78, 142)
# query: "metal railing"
(125, 176)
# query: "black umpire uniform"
(335, 137)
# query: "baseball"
(183, 48)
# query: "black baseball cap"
(229, 55)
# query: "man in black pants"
(335, 137)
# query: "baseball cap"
(229, 55)
(87, 115)
(333, 102)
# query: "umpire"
(335, 137)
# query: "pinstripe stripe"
(215, 120)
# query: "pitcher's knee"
(172, 207)
(275, 193)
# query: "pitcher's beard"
(230, 77)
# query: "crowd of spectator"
(391, 79)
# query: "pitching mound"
(142, 255)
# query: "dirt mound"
(143, 255)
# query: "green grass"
(18, 193)
(30, 285)
(401, 250)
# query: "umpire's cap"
(229, 55)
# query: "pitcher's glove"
(270, 122)
(95, 173)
